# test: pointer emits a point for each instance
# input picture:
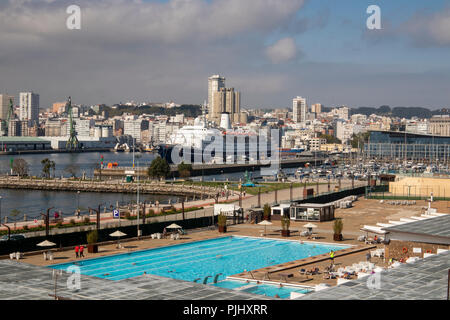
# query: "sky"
(269, 50)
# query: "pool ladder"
(216, 277)
(205, 280)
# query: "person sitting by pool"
(164, 234)
(276, 296)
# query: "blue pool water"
(190, 261)
(262, 289)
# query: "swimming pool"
(270, 290)
(196, 260)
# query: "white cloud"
(430, 29)
(136, 49)
(281, 51)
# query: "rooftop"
(439, 226)
(28, 282)
(22, 139)
(425, 279)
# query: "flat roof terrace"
(28, 282)
(425, 279)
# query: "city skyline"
(278, 50)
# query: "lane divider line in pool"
(301, 241)
(152, 270)
(95, 268)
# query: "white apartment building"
(299, 109)
(315, 143)
(133, 128)
(340, 113)
(29, 107)
(344, 131)
(83, 127)
(358, 118)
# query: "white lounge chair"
(12, 255)
(45, 255)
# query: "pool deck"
(302, 262)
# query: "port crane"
(72, 142)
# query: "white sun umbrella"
(265, 223)
(46, 243)
(310, 226)
(117, 234)
(173, 226)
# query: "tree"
(159, 168)
(47, 166)
(72, 169)
(184, 170)
(266, 211)
(20, 167)
(358, 140)
(330, 139)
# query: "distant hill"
(187, 109)
(401, 112)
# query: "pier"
(112, 186)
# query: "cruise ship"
(207, 144)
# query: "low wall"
(334, 196)
(76, 238)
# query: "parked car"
(13, 237)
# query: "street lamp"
(137, 196)
(78, 202)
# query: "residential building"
(226, 100)
(29, 107)
(316, 108)
(58, 107)
(299, 109)
(215, 83)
